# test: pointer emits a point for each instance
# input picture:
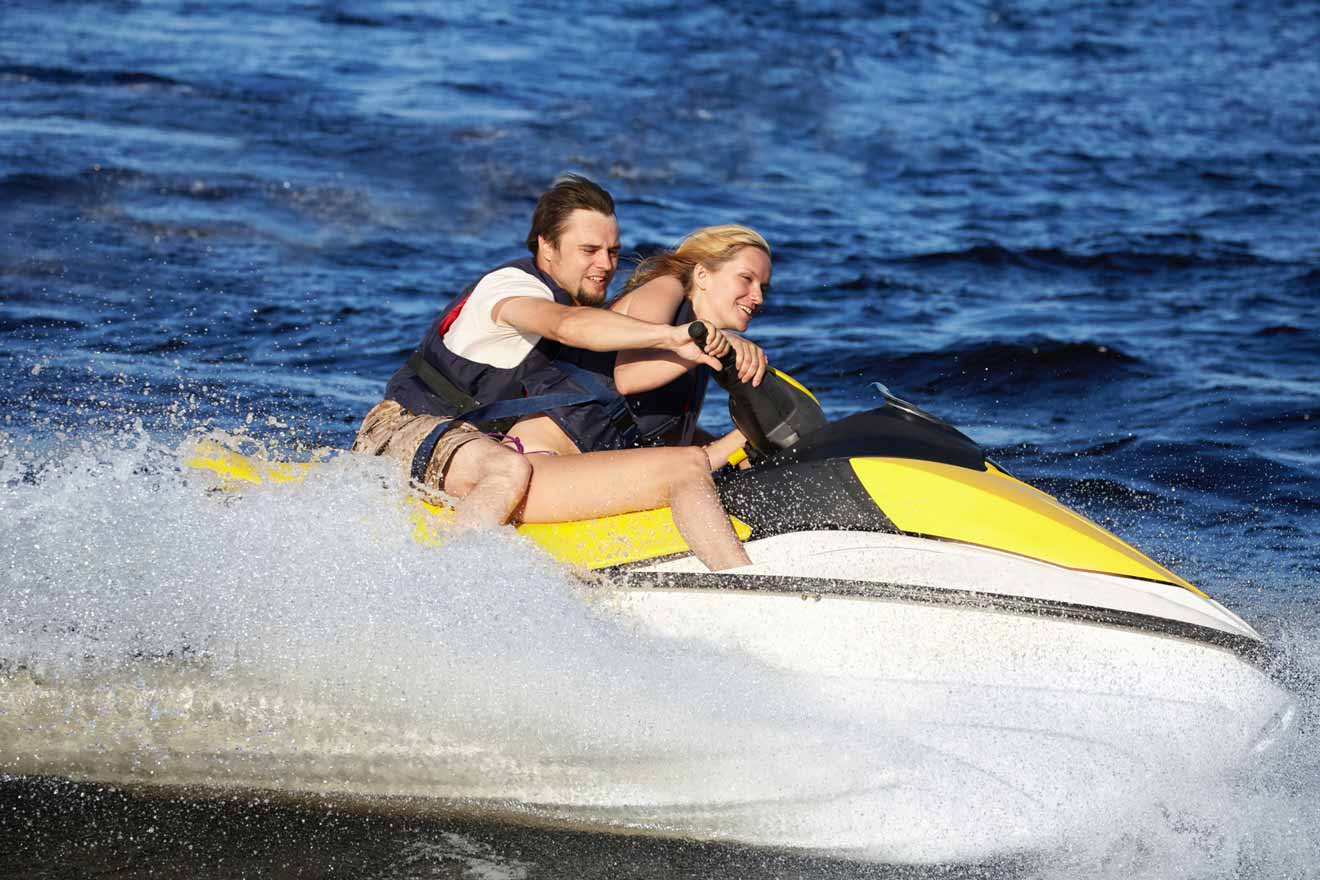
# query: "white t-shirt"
(475, 336)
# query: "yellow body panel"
(231, 466)
(586, 543)
(796, 384)
(992, 509)
(590, 543)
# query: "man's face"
(586, 258)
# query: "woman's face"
(729, 296)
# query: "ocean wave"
(382, 17)
(169, 345)
(1280, 330)
(36, 324)
(1144, 254)
(1094, 49)
(100, 184)
(1226, 470)
(1148, 472)
(868, 282)
(1306, 282)
(384, 253)
(65, 76)
(98, 181)
(345, 19)
(27, 185)
(1297, 416)
(1109, 446)
(1036, 363)
(1100, 492)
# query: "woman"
(720, 275)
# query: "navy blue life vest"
(436, 381)
(667, 416)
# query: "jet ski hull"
(979, 722)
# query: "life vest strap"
(468, 408)
(436, 381)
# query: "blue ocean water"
(1083, 232)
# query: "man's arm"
(600, 329)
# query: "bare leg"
(490, 479)
(573, 487)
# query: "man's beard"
(585, 298)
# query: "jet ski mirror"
(773, 416)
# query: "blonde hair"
(709, 246)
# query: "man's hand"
(717, 345)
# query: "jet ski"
(1019, 656)
(891, 504)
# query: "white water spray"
(295, 637)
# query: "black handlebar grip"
(697, 330)
(729, 369)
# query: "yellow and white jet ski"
(896, 570)
(890, 505)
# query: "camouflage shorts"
(393, 431)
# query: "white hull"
(931, 730)
(1019, 701)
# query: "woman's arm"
(718, 451)
(656, 301)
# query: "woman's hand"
(751, 362)
(718, 452)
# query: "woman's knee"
(690, 464)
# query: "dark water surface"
(1083, 232)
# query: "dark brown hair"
(569, 193)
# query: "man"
(504, 351)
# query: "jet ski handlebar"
(727, 373)
(779, 413)
(774, 415)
